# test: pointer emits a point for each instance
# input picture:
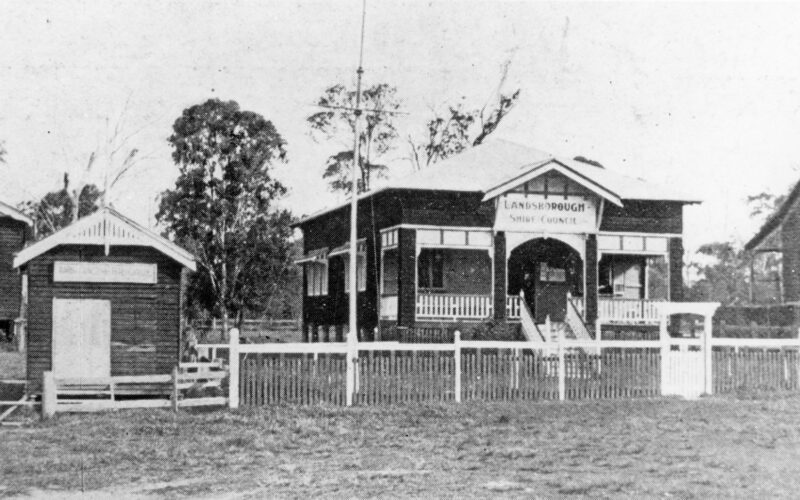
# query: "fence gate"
(685, 362)
(683, 371)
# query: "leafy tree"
(460, 127)
(221, 208)
(721, 270)
(764, 204)
(377, 134)
(56, 209)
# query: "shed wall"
(145, 318)
(12, 239)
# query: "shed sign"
(105, 272)
(534, 212)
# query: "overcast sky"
(704, 96)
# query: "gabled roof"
(498, 165)
(7, 210)
(106, 227)
(557, 166)
(775, 220)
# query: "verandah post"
(457, 364)
(233, 372)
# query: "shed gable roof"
(774, 221)
(109, 228)
(7, 210)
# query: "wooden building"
(781, 234)
(104, 300)
(500, 232)
(14, 232)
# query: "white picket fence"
(686, 364)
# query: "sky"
(701, 96)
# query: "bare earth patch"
(647, 448)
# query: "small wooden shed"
(14, 230)
(104, 299)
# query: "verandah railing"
(619, 310)
(445, 306)
(452, 306)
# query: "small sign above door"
(105, 272)
(537, 213)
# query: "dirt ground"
(711, 448)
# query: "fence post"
(351, 356)
(175, 389)
(708, 354)
(233, 370)
(562, 375)
(49, 396)
(457, 364)
(663, 336)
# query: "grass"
(646, 448)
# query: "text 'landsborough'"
(518, 212)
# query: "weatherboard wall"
(145, 318)
(448, 209)
(12, 239)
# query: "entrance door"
(551, 293)
(81, 338)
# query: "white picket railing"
(445, 306)
(629, 310)
(513, 306)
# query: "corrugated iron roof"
(498, 161)
(775, 220)
(9, 211)
(106, 227)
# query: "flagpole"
(352, 334)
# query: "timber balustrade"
(618, 310)
(470, 307)
(431, 306)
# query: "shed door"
(81, 338)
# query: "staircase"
(546, 334)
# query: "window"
(316, 278)
(430, 268)
(621, 276)
(389, 275)
(361, 273)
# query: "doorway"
(81, 341)
(545, 270)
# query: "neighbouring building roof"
(498, 165)
(774, 222)
(106, 227)
(7, 210)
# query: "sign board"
(554, 214)
(105, 272)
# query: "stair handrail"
(528, 323)
(575, 320)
